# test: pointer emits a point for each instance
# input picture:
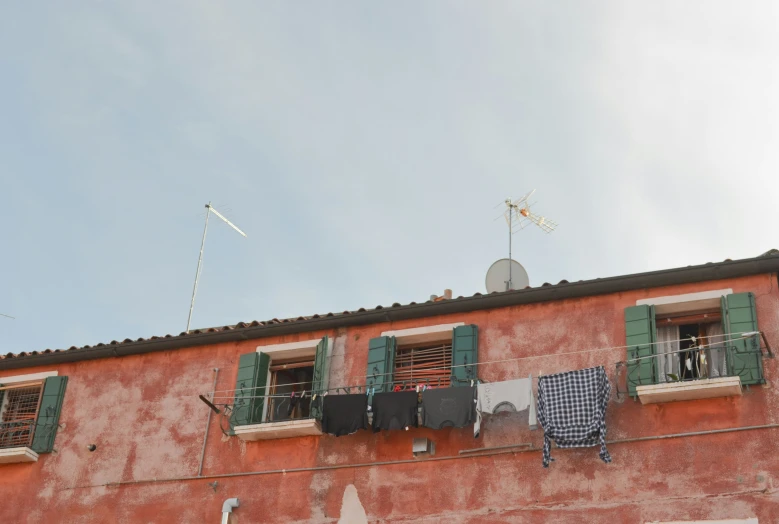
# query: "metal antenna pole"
(508, 284)
(199, 263)
(7, 316)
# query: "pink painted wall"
(143, 414)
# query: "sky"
(363, 148)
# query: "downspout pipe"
(227, 508)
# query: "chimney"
(448, 293)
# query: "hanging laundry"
(453, 406)
(395, 410)
(572, 410)
(510, 395)
(344, 414)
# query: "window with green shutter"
(465, 355)
(320, 376)
(47, 422)
(250, 389)
(739, 315)
(673, 344)
(381, 363)
(640, 339)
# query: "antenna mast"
(517, 216)
(209, 209)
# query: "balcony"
(19, 454)
(689, 390)
(276, 430)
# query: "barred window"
(19, 405)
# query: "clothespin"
(313, 397)
(471, 382)
(417, 388)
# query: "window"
(678, 354)
(423, 364)
(30, 407)
(442, 355)
(289, 379)
(663, 341)
(269, 401)
(18, 413)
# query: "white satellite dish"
(505, 274)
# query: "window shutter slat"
(251, 382)
(465, 354)
(744, 359)
(48, 419)
(381, 363)
(319, 381)
(640, 337)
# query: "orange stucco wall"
(144, 415)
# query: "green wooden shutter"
(744, 358)
(49, 414)
(465, 354)
(640, 337)
(319, 382)
(381, 363)
(251, 382)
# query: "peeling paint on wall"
(352, 511)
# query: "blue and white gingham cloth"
(572, 410)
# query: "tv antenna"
(209, 209)
(7, 316)
(518, 216)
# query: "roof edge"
(600, 286)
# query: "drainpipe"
(227, 508)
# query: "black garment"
(344, 414)
(395, 410)
(451, 406)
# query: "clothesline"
(422, 381)
(743, 334)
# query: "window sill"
(13, 455)
(276, 430)
(696, 389)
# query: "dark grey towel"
(448, 407)
(344, 414)
(395, 410)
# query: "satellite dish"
(505, 274)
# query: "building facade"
(118, 432)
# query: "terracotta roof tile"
(256, 323)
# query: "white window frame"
(686, 303)
(32, 377)
(423, 335)
(289, 350)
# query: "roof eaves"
(766, 263)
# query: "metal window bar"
(18, 413)
(424, 363)
(632, 379)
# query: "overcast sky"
(363, 147)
